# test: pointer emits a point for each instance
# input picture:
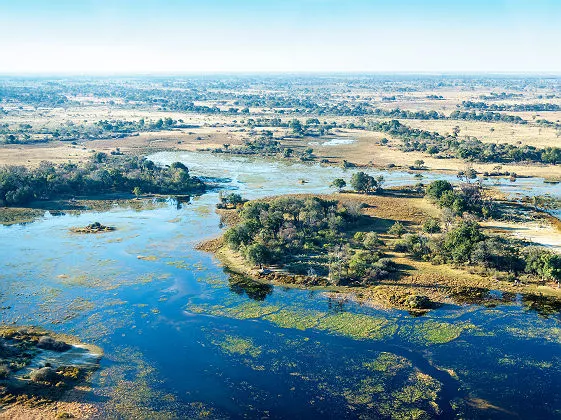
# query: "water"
(182, 338)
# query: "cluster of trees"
(469, 198)
(468, 148)
(266, 145)
(70, 131)
(366, 184)
(465, 244)
(103, 174)
(361, 182)
(230, 201)
(486, 116)
(310, 237)
(511, 107)
(500, 96)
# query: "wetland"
(121, 298)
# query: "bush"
(397, 229)
(431, 226)
(45, 375)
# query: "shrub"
(431, 226)
(45, 375)
(397, 229)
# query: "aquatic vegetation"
(246, 310)
(388, 363)
(358, 326)
(552, 334)
(289, 318)
(95, 227)
(434, 332)
(132, 388)
(352, 325)
(238, 345)
(147, 257)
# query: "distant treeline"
(25, 133)
(511, 107)
(32, 96)
(103, 174)
(469, 148)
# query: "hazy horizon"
(96, 37)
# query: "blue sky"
(184, 36)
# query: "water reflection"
(241, 285)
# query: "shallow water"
(182, 338)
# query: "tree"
(419, 164)
(431, 226)
(371, 241)
(257, 254)
(460, 242)
(363, 182)
(137, 191)
(397, 229)
(339, 183)
(437, 188)
(296, 126)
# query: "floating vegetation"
(147, 257)
(131, 386)
(393, 388)
(434, 332)
(352, 325)
(357, 326)
(287, 318)
(246, 310)
(238, 345)
(552, 334)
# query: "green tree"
(363, 183)
(437, 188)
(397, 229)
(257, 254)
(460, 242)
(339, 183)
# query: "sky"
(229, 36)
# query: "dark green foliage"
(364, 183)
(459, 243)
(469, 198)
(310, 237)
(431, 226)
(45, 375)
(437, 188)
(339, 183)
(543, 263)
(397, 229)
(103, 174)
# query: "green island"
(409, 248)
